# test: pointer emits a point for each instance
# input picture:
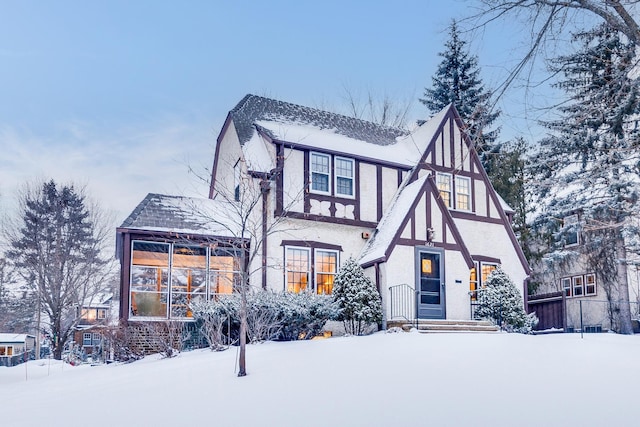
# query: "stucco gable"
(401, 210)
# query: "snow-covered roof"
(14, 338)
(505, 206)
(183, 215)
(377, 143)
(390, 223)
(253, 108)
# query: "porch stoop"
(439, 326)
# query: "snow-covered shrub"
(263, 320)
(213, 318)
(500, 302)
(304, 315)
(357, 298)
(270, 316)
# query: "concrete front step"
(437, 325)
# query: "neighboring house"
(569, 293)
(95, 317)
(416, 209)
(16, 348)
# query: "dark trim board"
(334, 220)
(311, 244)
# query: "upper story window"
(461, 198)
(332, 175)
(571, 236)
(344, 177)
(102, 313)
(463, 193)
(320, 173)
(443, 181)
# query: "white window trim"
(311, 172)
(86, 338)
(574, 286)
(102, 313)
(352, 178)
(310, 279)
(570, 220)
(451, 192)
(455, 187)
(315, 269)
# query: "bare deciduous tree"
(382, 110)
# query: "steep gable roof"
(253, 108)
(395, 218)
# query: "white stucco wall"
(401, 269)
(492, 240)
(368, 192)
(293, 180)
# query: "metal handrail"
(402, 302)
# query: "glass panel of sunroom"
(149, 281)
(188, 278)
(224, 272)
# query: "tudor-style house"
(416, 209)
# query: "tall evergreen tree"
(591, 161)
(458, 81)
(56, 247)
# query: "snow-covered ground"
(401, 379)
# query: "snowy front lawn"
(400, 379)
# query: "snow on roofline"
(405, 151)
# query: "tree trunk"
(626, 326)
(242, 366)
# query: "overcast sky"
(124, 96)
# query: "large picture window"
(149, 279)
(167, 277)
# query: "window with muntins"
(320, 173)
(443, 182)
(297, 269)
(463, 193)
(326, 266)
(478, 281)
(579, 285)
(166, 277)
(565, 282)
(344, 176)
